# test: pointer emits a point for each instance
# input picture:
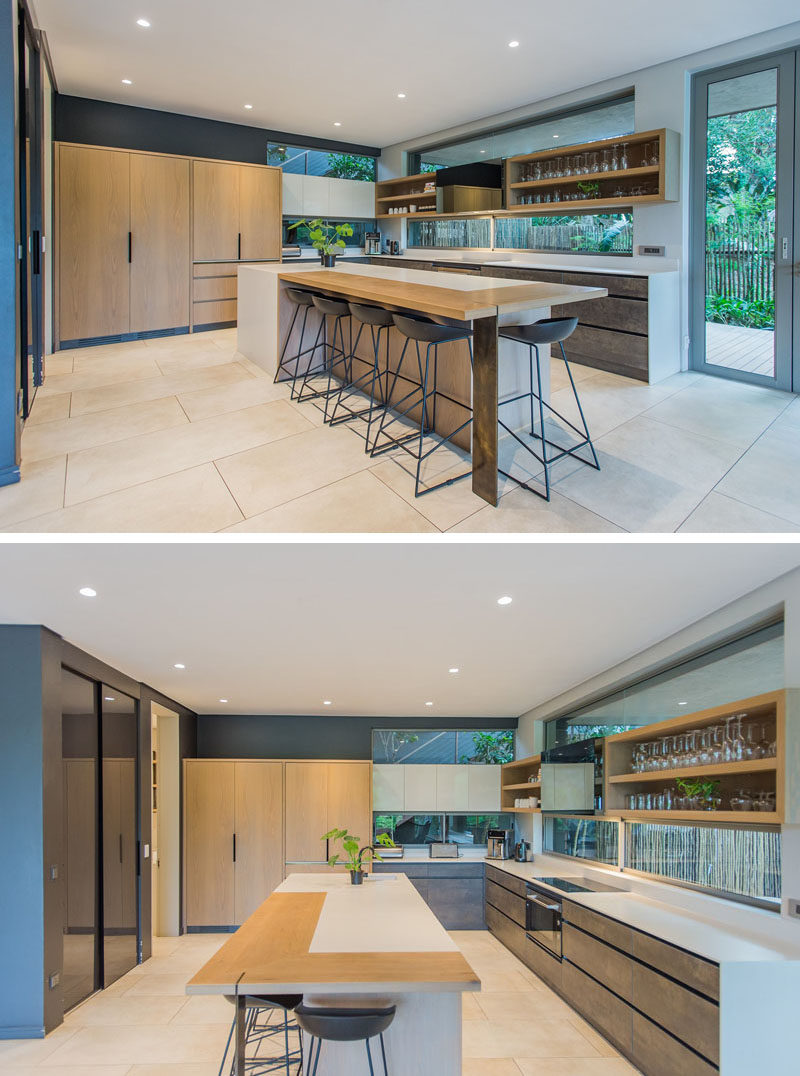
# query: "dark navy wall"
(9, 344)
(101, 123)
(248, 736)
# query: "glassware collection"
(618, 158)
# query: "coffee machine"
(372, 243)
(499, 841)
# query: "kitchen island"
(339, 944)
(500, 367)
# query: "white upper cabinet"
(420, 788)
(293, 195)
(351, 198)
(452, 788)
(483, 790)
(317, 196)
(388, 788)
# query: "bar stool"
(258, 1032)
(344, 1025)
(432, 334)
(542, 333)
(332, 355)
(302, 300)
(378, 320)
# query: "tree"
(740, 170)
(349, 166)
(491, 748)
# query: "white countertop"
(385, 914)
(697, 933)
(630, 266)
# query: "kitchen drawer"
(612, 968)
(411, 870)
(445, 868)
(215, 287)
(612, 1017)
(505, 273)
(458, 905)
(505, 930)
(620, 353)
(214, 313)
(541, 963)
(621, 315)
(692, 1018)
(695, 972)
(402, 263)
(658, 1054)
(509, 903)
(506, 880)
(630, 287)
(600, 926)
(202, 269)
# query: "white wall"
(662, 100)
(783, 592)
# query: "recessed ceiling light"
(683, 703)
(143, 23)
(178, 665)
(505, 600)
(483, 151)
(454, 670)
(326, 702)
(401, 95)
(108, 698)
(429, 704)
(336, 123)
(223, 700)
(248, 107)
(88, 592)
(556, 136)
(513, 44)
(127, 82)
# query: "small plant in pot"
(698, 795)
(354, 857)
(327, 238)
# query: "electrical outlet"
(54, 980)
(794, 908)
(54, 872)
(651, 251)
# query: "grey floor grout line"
(233, 498)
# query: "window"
(453, 233)
(738, 669)
(299, 236)
(602, 233)
(419, 830)
(730, 861)
(442, 746)
(589, 123)
(583, 838)
(316, 162)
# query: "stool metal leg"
(383, 1055)
(541, 420)
(369, 1058)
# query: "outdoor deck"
(741, 349)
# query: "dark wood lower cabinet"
(658, 1054)
(608, 1013)
(452, 891)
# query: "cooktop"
(576, 885)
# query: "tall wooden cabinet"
(233, 839)
(321, 796)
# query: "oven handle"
(547, 907)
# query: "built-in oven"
(543, 919)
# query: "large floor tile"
(493, 1066)
(191, 501)
(542, 1038)
(96, 471)
(718, 514)
(126, 1011)
(596, 1066)
(443, 507)
(87, 431)
(33, 1052)
(40, 490)
(523, 1005)
(48, 409)
(62, 362)
(140, 1045)
(107, 397)
(70, 1070)
(95, 374)
(173, 363)
(766, 477)
(219, 400)
(209, 1069)
(272, 474)
(360, 503)
(204, 1010)
(608, 401)
(725, 410)
(522, 512)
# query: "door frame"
(787, 63)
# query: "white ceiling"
(277, 628)
(308, 64)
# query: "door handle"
(234, 848)
(785, 248)
(240, 247)
(36, 252)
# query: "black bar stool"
(432, 334)
(332, 354)
(344, 1025)
(290, 364)
(378, 320)
(539, 334)
(258, 1031)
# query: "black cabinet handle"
(240, 246)
(36, 252)
(234, 848)
(327, 851)
(130, 247)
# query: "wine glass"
(606, 162)
(615, 158)
(624, 158)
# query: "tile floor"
(144, 1025)
(185, 435)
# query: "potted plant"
(355, 857)
(699, 795)
(327, 238)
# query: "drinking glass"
(630, 801)
(593, 162)
(625, 157)
(614, 158)
(741, 800)
(653, 159)
(605, 165)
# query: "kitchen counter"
(375, 944)
(608, 266)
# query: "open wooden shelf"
(521, 787)
(512, 783)
(403, 190)
(521, 810)
(763, 818)
(718, 769)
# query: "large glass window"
(453, 234)
(442, 746)
(418, 830)
(299, 236)
(304, 160)
(583, 838)
(590, 233)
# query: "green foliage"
(325, 237)
(355, 857)
(741, 164)
(350, 166)
(697, 788)
(491, 748)
(747, 313)
(430, 168)
(277, 155)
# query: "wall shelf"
(403, 191)
(513, 780)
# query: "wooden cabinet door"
(216, 211)
(160, 243)
(306, 812)
(258, 814)
(93, 226)
(260, 212)
(209, 872)
(349, 799)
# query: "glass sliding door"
(119, 752)
(31, 213)
(742, 219)
(79, 727)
